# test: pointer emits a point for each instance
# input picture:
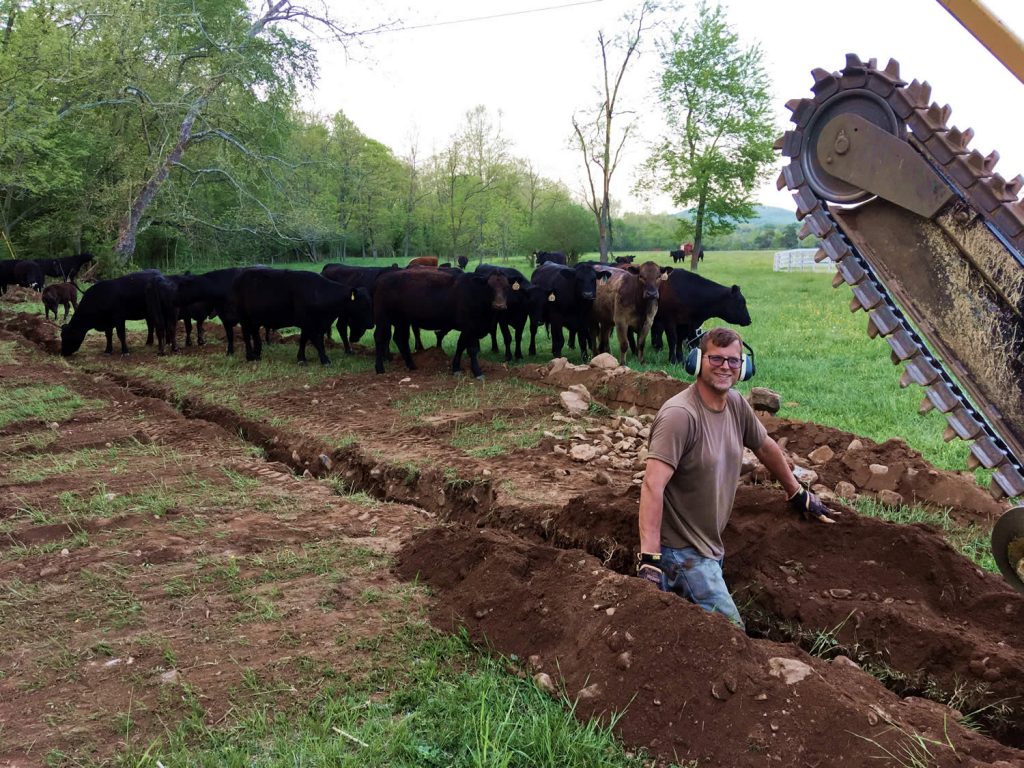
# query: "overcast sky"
(537, 62)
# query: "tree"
(216, 55)
(717, 106)
(595, 136)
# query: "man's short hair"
(720, 337)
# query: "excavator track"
(962, 218)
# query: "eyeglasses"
(718, 360)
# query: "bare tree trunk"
(698, 233)
(125, 248)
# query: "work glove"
(648, 567)
(809, 506)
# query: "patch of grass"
(7, 349)
(912, 750)
(449, 706)
(970, 540)
(468, 395)
(42, 402)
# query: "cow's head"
(71, 339)
(500, 289)
(649, 274)
(734, 310)
(359, 309)
(586, 282)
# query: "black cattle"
(462, 261)
(200, 296)
(65, 268)
(283, 298)
(59, 294)
(162, 310)
(105, 306)
(7, 274)
(685, 301)
(569, 294)
(624, 259)
(548, 257)
(29, 274)
(525, 302)
(677, 256)
(437, 300)
(355, 277)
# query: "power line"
(487, 18)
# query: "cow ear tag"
(353, 296)
(551, 297)
(515, 286)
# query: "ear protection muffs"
(693, 360)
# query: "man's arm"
(652, 495)
(804, 501)
(775, 462)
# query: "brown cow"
(627, 300)
(59, 293)
(423, 261)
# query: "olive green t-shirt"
(705, 448)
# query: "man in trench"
(694, 458)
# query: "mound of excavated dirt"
(690, 685)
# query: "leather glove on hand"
(809, 506)
(649, 568)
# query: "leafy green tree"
(717, 105)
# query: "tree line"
(169, 133)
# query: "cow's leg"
(381, 342)
(229, 334)
(506, 336)
(188, 330)
(149, 332)
(586, 344)
(110, 341)
(622, 333)
(473, 347)
(67, 309)
(672, 340)
(121, 338)
(317, 339)
(416, 335)
(557, 340)
(200, 332)
(518, 328)
(247, 341)
(303, 338)
(533, 337)
(343, 333)
(681, 339)
(402, 342)
(460, 345)
(572, 338)
(494, 338)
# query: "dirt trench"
(530, 552)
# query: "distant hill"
(766, 215)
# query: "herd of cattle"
(587, 300)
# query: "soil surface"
(481, 490)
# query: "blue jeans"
(699, 579)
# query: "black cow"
(200, 296)
(525, 302)
(282, 298)
(677, 256)
(685, 301)
(65, 268)
(625, 259)
(548, 257)
(29, 274)
(437, 300)
(354, 277)
(7, 274)
(569, 294)
(105, 306)
(162, 310)
(462, 262)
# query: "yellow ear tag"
(353, 295)
(551, 297)
(515, 286)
